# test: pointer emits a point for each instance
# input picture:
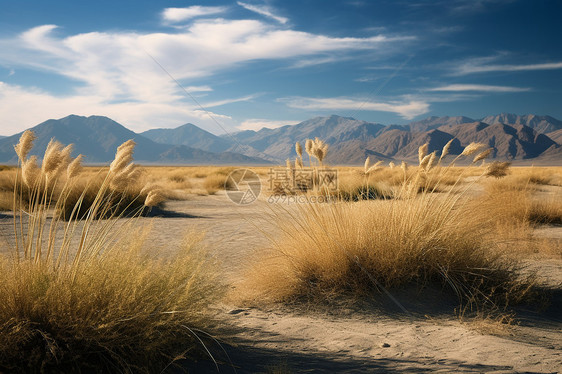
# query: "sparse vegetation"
(417, 238)
(87, 295)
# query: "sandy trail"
(349, 340)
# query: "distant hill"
(189, 135)
(98, 137)
(511, 137)
(351, 141)
(195, 137)
(541, 124)
(334, 130)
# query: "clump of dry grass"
(216, 182)
(85, 295)
(329, 250)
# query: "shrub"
(87, 295)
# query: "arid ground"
(403, 330)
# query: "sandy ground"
(374, 337)
(355, 339)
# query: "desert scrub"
(217, 182)
(54, 182)
(328, 251)
(89, 295)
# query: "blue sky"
(249, 64)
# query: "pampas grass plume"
(123, 156)
(75, 167)
(30, 171)
(298, 149)
(25, 144)
(472, 148)
(376, 166)
(308, 145)
(367, 161)
(482, 155)
(154, 198)
(422, 152)
(446, 148)
(52, 158)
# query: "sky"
(227, 66)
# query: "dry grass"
(355, 248)
(83, 295)
(418, 238)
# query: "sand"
(373, 337)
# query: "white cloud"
(29, 106)
(406, 109)
(264, 11)
(191, 89)
(478, 87)
(229, 101)
(174, 15)
(115, 75)
(470, 67)
(257, 124)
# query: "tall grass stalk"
(85, 293)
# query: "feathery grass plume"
(376, 166)
(298, 149)
(298, 163)
(154, 198)
(422, 152)
(319, 149)
(497, 169)
(431, 161)
(482, 155)
(75, 167)
(367, 161)
(404, 166)
(123, 156)
(391, 165)
(308, 145)
(25, 144)
(52, 158)
(424, 161)
(30, 171)
(122, 178)
(472, 148)
(445, 150)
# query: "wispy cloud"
(478, 87)
(173, 15)
(136, 115)
(407, 109)
(471, 67)
(264, 11)
(113, 70)
(257, 124)
(229, 101)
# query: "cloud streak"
(470, 68)
(174, 15)
(407, 109)
(264, 11)
(479, 88)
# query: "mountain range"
(511, 137)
